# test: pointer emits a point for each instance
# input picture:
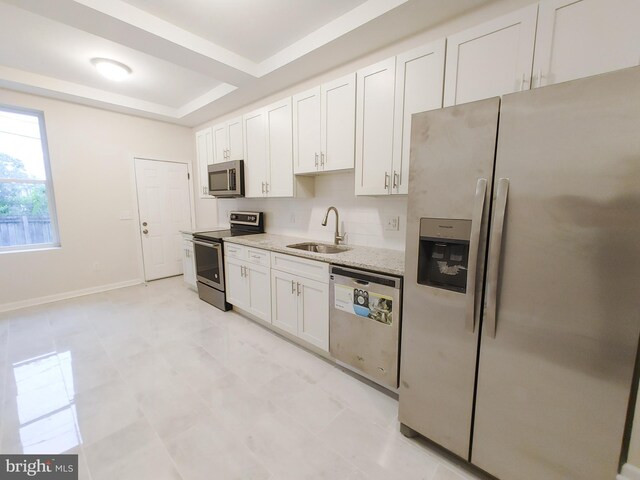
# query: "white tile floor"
(149, 382)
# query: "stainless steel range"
(209, 256)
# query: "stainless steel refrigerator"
(522, 289)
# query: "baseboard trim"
(7, 307)
(629, 472)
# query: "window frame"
(48, 183)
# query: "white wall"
(362, 218)
(91, 153)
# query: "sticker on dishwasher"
(363, 303)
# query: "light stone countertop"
(380, 260)
(191, 231)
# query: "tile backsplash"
(362, 218)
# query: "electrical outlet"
(392, 223)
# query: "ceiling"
(194, 60)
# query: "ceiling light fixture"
(111, 69)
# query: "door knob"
(144, 224)
(145, 231)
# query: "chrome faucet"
(337, 238)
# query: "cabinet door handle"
(293, 287)
(266, 184)
(322, 159)
(386, 180)
(316, 159)
(263, 187)
(396, 179)
(298, 288)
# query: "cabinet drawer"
(257, 256)
(235, 251)
(311, 269)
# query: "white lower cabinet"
(188, 261)
(300, 305)
(248, 286)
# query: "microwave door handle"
(228, 179)
(495, 247)
(474, 247)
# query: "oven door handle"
(210, 245)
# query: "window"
(27, 209)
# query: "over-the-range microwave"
(226, 179)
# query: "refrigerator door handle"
(474, 247)
(495, 246)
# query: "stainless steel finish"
(145, 231)
(337, 238)
(395, 179)
(495, 247)
(322, 159)
(368, 345)
(445, 228)
(214, 245)
(213, 296)
(316, 159)
(298, 288)
(474, 244)
(554, 385)
(386, 180)
(226, 189)
(438, 363)
(319, 247)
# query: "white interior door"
(163, 205)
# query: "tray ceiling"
(193, 60)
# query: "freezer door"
(554, 382)
(452, 157)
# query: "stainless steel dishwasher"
(364, 322)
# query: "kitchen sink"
(318, 247)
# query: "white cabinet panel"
(374, 127)
(188, 261)
(220, 143)
(235, 144)
(255, 149)
(204, 156)
(259, 287)
(338, 113)
(236, 284)
(279, 182)
(228, 141)
(313, 313)
(578, 38)
(491, 59)
(419, 87)
(306, 131)
(284, 301)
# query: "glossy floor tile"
(149, 382)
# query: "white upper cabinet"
(279, 182)
(227, 141)
(374, 127)
(324, 127)
(419, 86)
(268, 148)
(255, 149)
(204, 156)
(578, 38)
(306, 131)
(491, 59)
(338, 125)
